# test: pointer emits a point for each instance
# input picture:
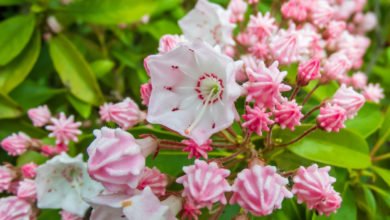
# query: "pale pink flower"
(245, 38)
(288, 114)
(190, 211)
(146, 91)
(349, 99)
(335, 67)
(256, 119)
(334, 29)
(117, 160)
(16, 144)
(260, 190)
(288, 46)
(196, 150)
(262, 25)
(354, 47)
(365, 22)
(373, 92)
(169, 42)
(296, 10)
(147, 205)
(125, 113)
(312, 185)
(331, 118)
(13, 187)
(321, 13)
(53, 24)
(265, 85)
(64, 129)
(194, 90)
(65, 215)
(6, 177)
(249, 61)
(205, 184)
(29, 170)
(251, 2)
(154, 179)
(359, 80)
(237, 9)
(330, 204)
(308, 71)
(14, 208)
(27, 190)
(209, 22)
(40, 115)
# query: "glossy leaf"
(30, 156)
(368, 120)
(173, 162)
(105, 12)
(74, 71)
(84, 109)
(385, 129)
(344, 149)
(383, 173)
(102, 67)
(11, 2)
(37, 94)
(17, 70)
(8, 107)
(15, 34)
(9, 126)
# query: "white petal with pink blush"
(194, 90)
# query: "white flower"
(62, 182)
(209, 22)
(194, 90)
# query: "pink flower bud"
(373, 93)
(260, 190)
(29, 170)
(204, 183)
(126, 113)
(146, 91)
(321, 13)
(359, 80)
(153, 178)
(312, 185)
(64, 129)
(330, 204)
(196, 150)
(117, 160)
(16, 144)
(308, 71)
(14, 208)
(334, 29)
(336, 66)
(257, 120)
(6, 176)
(190, 211)
(69, 216)
(262, 26)
(40, 115)
(288, 115)
(331, 118)
(295, 9)
(237, 9)
(27, 190)
(169, 42)
(349, 99)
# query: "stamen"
(202, 111)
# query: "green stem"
(299, 137)
(310, 93)
(379, 143)
(381, 157)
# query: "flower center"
(210, 89)
(209, 85)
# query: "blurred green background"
(93, 51)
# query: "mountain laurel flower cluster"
(224, 110)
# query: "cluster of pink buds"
(62, 130)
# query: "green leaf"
(384, 132)
(30, 156)
(170, 162)
(11, 2)
(160, 28)
(366, 201)
(384, 173)
(102, 67)
(15, 34)
(9, 126)
(74, 70)
(84, 109)
(382, 193)
(348, 209)
(343, 149)
(37, 94)
(8, 107)
(368, 120)
(17, 70)
(106, 12)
